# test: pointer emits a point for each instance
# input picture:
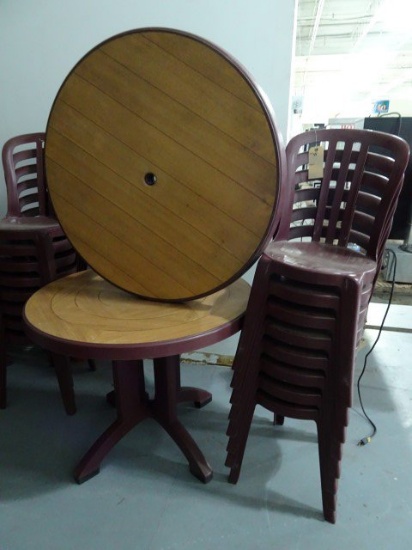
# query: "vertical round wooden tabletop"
(163, 164)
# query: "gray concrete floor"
(145, 498)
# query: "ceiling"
(351, 53)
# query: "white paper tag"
(315, 168)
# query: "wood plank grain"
(159, 213)
(189, 87)
(203, 59)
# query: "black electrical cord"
(368, 439)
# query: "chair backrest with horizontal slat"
(352, 200)
(23, 164)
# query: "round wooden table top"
(84, 315)
(163, 163)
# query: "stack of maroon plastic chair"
(33, 248)
(312, 288)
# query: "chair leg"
(329, 462)
(3, 368)
(62, 366)
(278, 419)
(238, 432)
(92, 364)
(3, 378)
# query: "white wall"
(41, 40)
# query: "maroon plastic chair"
(312, 288)
(33, 249)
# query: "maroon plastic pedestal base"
(133, 406)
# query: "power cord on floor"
(368, 439)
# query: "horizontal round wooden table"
(85, 316)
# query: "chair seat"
(320, 259)
(36, 223)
